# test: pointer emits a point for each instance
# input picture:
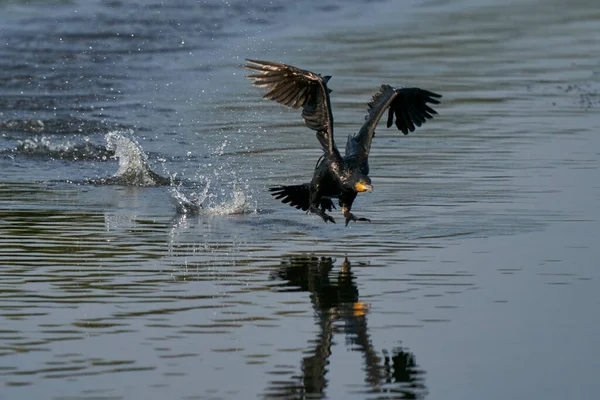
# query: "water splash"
(23, 125)
(134, 169)
(217, 189)
(56, 126)
(205, 202)
(45, 147)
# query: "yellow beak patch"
(362, 187)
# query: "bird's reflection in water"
(335, 299)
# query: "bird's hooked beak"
(363, 187)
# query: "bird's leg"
(315, 206)
(351, 217)
(326, 217)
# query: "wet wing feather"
(295, 87)
(407, 109)
(295, 196)
(299, 196)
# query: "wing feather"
(295, 88)
(299, 196)
(407, 109)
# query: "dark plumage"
(337, 176)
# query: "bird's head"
(362, 183)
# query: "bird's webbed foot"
(326, 217)
(351, 217)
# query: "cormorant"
(336, 176)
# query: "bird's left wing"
(407, 105)
(299, 196)
(295, 88)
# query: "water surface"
(476, 279)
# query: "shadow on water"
(337, 309)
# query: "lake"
(142, 257)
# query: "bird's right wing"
(295, 88)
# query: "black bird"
(336, 176)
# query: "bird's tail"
(299, 196)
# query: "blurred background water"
(141, 256)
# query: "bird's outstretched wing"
(299, 196)
(407, 105)
(295, 87)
